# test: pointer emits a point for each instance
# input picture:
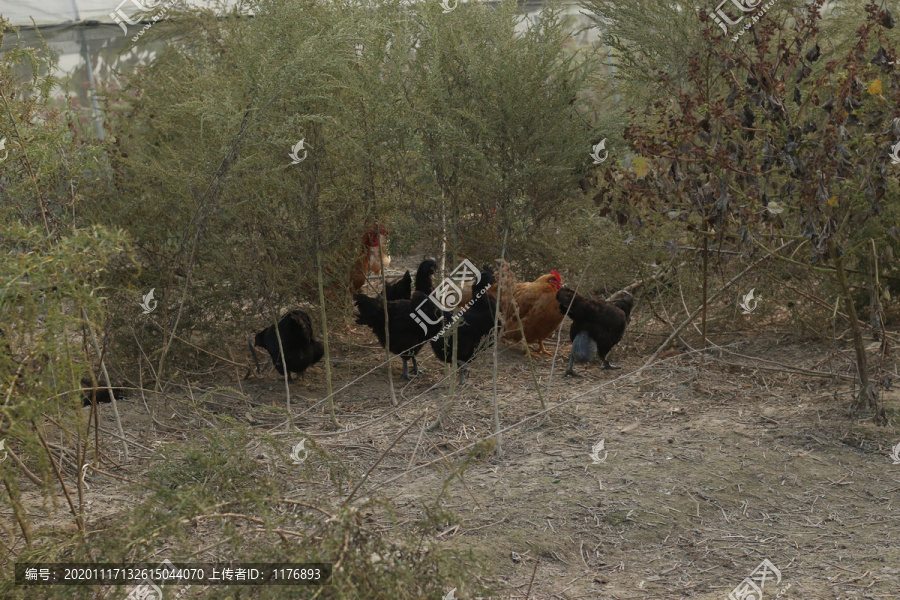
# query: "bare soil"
(707, 470)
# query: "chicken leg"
(542, 350)
(608, 366)
(405, 374)
(570, 370)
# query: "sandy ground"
(706, 471)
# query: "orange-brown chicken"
(371, 261)
(537, 304)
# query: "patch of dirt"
(707, 469)
(710, 470)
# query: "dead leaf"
(630, 427)
(774, 208)
(641, 166)
(875, 87)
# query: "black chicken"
(405, 327)
(101, 395)
(301, 349)
(477, 322)
(400, 289)
(594, 322)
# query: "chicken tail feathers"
(584, 349)
(371, 311)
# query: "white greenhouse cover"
(93, 41)
(57, 12)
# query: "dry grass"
(711, 467)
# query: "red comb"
(556, 273)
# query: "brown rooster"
(371, 261)
(537, 305)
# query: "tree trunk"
(703, 320)
(868, 394)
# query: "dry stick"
(141, 349)
(387, 325)
(304, 504)
(687, 311)
(454, 363)
(778, 370)
(496, 334)
(95, 413)
(108, 474)
(797, 370)
(34, 478)
(347, 385)
(814, 299)
(382, 417)
(592, 390)
(108, 432)
(198, 348)
(530, 583)
(82, 449)
(81, 465)
(566, 314)
(710, 299)
(383, 454)
(112, 396)
(87, 433)
(144, 400)
(92, 415)
(416, 449)
(456, 473)
(20, 515)
(878, 311)
(450, 373)
(537, 387)
(325, 343)
(166, 334)
(285, 374)
(237, 374)
(9, 549)
(705, 302)
(868, 397)
(78, 522)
